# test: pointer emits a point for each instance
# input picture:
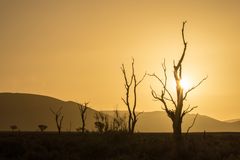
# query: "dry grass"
(141, 146)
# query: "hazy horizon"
(73, 50)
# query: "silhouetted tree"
(83, 109)
(58, 118)
(176, 114)
(133, 116)
(42, 127)
(102, 122)
(14, 127)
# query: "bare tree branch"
(185, 96)
(124, 101)
(164, 89)
(192, 124)
(161, 99)
(185, 47)
(127, 84)
(188, 110)
(141, 79)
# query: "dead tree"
(58, 118)
(133, 116)
(83, 108)
(166, 98)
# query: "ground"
(120, 146)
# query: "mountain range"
(27, 111)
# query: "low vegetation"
(117, 146)
(42, 127)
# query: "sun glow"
(184, 84)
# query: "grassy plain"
(117, 146)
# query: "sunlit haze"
(73, 50)
(185, 84)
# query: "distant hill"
(158, 121)
(29, 110)
(232, 120)
(202, 123)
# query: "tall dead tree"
(133, 116)
(166, 98)
(83, 108)
(58, 118)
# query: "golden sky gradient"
(73, 50)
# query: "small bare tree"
(42, 127)
(83, 108)
(58, 118)
(133, 116)
(176, 114)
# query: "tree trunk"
(177, 121)
(59, 130)
(83, 127)
(133, 125)
(83, 122)
(177, 128)
(129, 124)
(177, 124)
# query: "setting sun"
(184, 83)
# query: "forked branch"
(163, 97)
(188, 110)
(184, 49)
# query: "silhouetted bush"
(42, 127)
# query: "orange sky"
(73, 50)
